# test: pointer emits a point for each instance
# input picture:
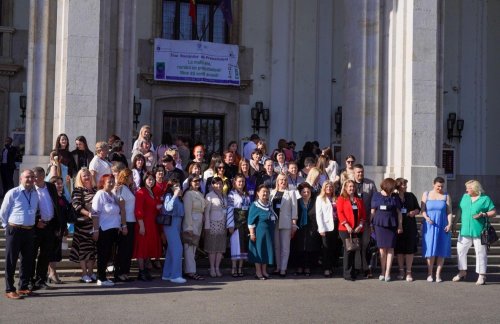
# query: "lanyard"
(25, 196)
(294, 183)
(221, 198)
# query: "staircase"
(66, 267)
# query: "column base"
(31, 161)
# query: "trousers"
(282, 239)
(463, 245)
(18, 241)
(173, 256)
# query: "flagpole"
(208, 25)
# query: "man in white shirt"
(250, 146)
(46, 225)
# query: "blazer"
(11, 156)
(346, 213)
(324, 215)
(288, 209)
(57, 221)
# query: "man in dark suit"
(8, 165)
(46, 228)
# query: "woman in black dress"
(83, 247)
(406, 243)
(307, 239)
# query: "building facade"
(397, 69)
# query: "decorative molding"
(148, 78)
(10, 69)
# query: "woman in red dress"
(147, 237)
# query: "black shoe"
(41, 286)
(149, 277)
(142, 276)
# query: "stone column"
(414, 88)
(76, 107)
(125, 72)
(281, 105)
(361, 118)
(40, 84)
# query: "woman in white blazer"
(326, 213)
(284, 208)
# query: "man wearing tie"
(18, 218)
(46, 227)
(8, 165)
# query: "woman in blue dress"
(261, 223)
(436, 231)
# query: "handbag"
(488, 234)
(352, 244)
(164, 218)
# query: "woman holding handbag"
(475, 208)
(352, 217)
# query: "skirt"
(386, 237)
(215, 240)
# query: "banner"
(195, 61)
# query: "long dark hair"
(58, 147)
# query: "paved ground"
(291, 300)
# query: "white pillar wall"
(39, 84)
(76, 107)
(414, 105)
(361, 116)
(281, 103)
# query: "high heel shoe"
(55, 280)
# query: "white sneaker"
(86, 279)
(105, 283)
(110, 268)
(381, 278)
(387, 278)
(178, 280)
(430, 279)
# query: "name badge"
(273, 218)
(403, 211)
(383, 207)
(244, 208)
(31, 212)
(278, 206)
(360, 194)
(251, 192)
(354, 207)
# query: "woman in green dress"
(475, 208)
(261, 222)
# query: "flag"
(192, 10)
(225, 7)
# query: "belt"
(20, 226)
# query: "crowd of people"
(281, 209)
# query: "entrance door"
(201, 129)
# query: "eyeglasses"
(350, 161)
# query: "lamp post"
(22, 106)
(137, 112)
(256, 113)
(450, 125)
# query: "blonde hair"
(78, 179)
(143, 129)
(476, 186)
(322, 194)
(281, 175)
(313, 175)
(99, 146)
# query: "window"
(210, 23)
(205, 129)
